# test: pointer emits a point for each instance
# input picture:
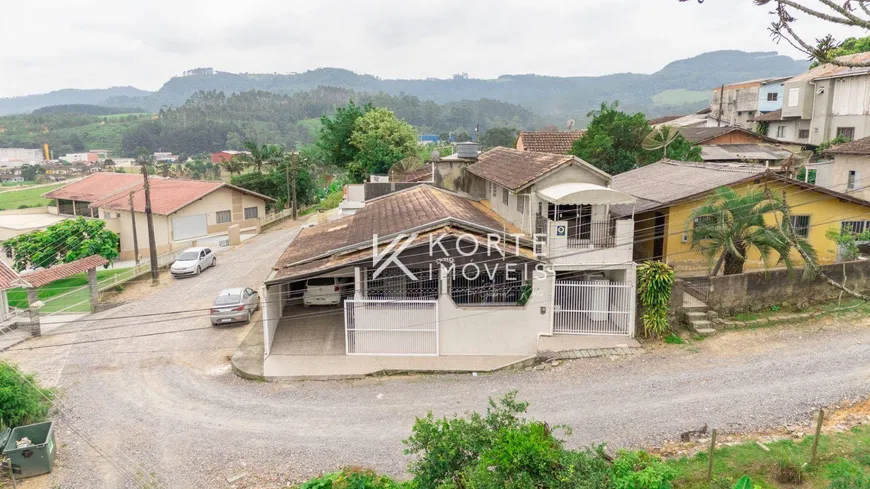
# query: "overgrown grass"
(73, 300)
(22, 401)
(673, 339)
(29, 196)
(773, 469)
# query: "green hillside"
(681, 96)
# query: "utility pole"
(721, 100)
(152, 246)
(293, 182)
(135, 239)
(287, 175)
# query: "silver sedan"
(234, 305)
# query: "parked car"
(234, 305)
(193, 261)
(325, 291)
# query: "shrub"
(22, 401)
(640, 470)
(847, 475)
(673, 339)
(655, 280)
(352, 478)
(332, 200)
(789, 471)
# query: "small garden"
(501, 448)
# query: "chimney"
(467, 150)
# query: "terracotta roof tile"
(699, 135)
(94, 187)
(556, 142)
(515, 169)
(422, 174)
(857, 147)
(8, 277)
(775, 115)
(57, 272)
(663, 119)
(167, 195)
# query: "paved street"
(167, 406)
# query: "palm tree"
(728, 225)
(262, 155)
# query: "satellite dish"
(791, 164)
(570, 124)
(660, 138)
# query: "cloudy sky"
(53, 44)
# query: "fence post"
(813, 457)
(710, 456)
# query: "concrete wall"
(451, 174)
(124, 227)
(224, 199)
(496, 330)
(271, 302)
(756, 291)
(374, 190)
(740, 104)
(839, 175)
(791, 130)
(797, 103)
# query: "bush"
(22, 401)
(654, 282)
(789, 471)
(352, 478)
(640, 470)
(332, 200)
(847, 475)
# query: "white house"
(525, 256)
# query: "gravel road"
(168, 407)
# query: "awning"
(584, 194)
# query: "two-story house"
(824, 102)
(737, 104)
(520, 253)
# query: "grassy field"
(15, 184)
(680, 96)
(29, 197)
(784, 466)
(72, 300)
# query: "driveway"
(167, 406)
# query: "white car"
(326, 291)
(193, 261)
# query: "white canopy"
(584, 194)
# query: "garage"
(188, 227)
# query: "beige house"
(849, 170)
(182, 210)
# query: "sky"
(53, 44)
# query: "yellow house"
(668, 192)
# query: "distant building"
(428, 138)
(553, 142)
(86, 158)
(165, 158)
(226, 155)
(744, 101)
(14, 157)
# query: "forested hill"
(211, 121)
(680, 86)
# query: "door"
(188, 227)
(593, 307)
(659, 237)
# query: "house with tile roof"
(555, 142)
(668, 191)
(524, 257)
(848, 168)
(182, 210)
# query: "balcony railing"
(596, 234)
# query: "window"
(521, 203)
(793, 96)
(803, 134)
(223, 216)
(505, 197)
(780, 131)
(856, 227)
(801, 225)
(772, 97)
(847, 132)
(393, 284)
(499, 289)
(852, 180)
(750, 114)
(251, 213)
(493, 189)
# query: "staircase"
(698, 315)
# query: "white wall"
(270, 295)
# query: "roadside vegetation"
(22, 400)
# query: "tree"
(499, 136)
(462, 137)
(234, 165)
(728, 225)
(28, 172)
(335, 134)
(613, 141)
(63, 242)
(825, 49)
(265, 154)
(381, 140)
(165, 168)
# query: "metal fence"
(598, 234)
(593, 307)
(391, 327)
(497, 289)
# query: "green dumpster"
(38, 457)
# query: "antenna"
(660, 138)
(570, 124)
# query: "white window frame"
(794, 96)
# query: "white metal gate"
(598, 307)
(391, 327)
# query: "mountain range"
(681, 86)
